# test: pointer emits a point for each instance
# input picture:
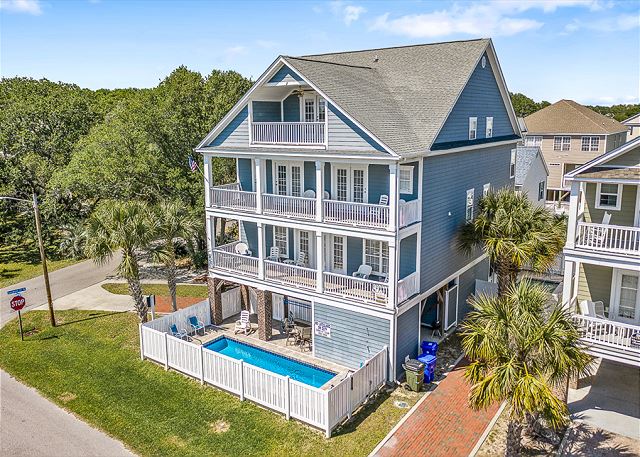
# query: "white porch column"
(319, 262)
(258, 172)
(208, 180)
(319, 190)
(261, 254)
(573, 214)
(393, 273)
(393, 196)
(567, 284)
(211, 238)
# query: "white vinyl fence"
(231, 302)
(324, 409)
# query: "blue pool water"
(258, 357)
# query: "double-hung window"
(489, 128)
(338, 261)
(406, 180)
(473, 128)
(281, 239)
(468, 212)
(590, 143)
(512, 164)
(533, 141)
(608, 196)
(561, 143)
(376, 255)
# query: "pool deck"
(277, 344)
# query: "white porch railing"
(409, 212)
(290, 274)
(609, 238)
(360, 214)
(229, 196)
(610, 339)
(235, 263)
(288, 132)
(284, 205)
(323, 409)
(360, 289)
(408, 286)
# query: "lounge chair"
(243, 325)
(242, 249)
(182, 334)
(363, 272)
(274, 254)
(309, 193)
(597, 236)
(304, 337)
(300, 262)
(592, 309)
(196, 325)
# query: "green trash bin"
(414, 371)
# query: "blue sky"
(586, 50)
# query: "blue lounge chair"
(196, 325)
(182, 334)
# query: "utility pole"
(43, 257)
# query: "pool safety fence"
(321, 408)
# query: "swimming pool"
(270, 361)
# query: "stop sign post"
(17, 303)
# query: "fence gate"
(451, 307)
(277, 304)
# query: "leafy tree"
(618, 112)
(523, 105)
(125, 227)
(520, 351)
(514, 233)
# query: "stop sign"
(18, 302)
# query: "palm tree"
(174, 222)
(124, 226)
(520, 350)
(514, 233)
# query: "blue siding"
(354, 254)
(414, 195)
(468, 286)
(291, 108)
(268, 176)
(408, 252)
(344, 134)
(285, 73)
(446, 179)
(245, 175)
(355, 337)
(236, 132)
(378, 182)
(310, 176)
(249, 234)
(268, 238)
(407, 337)
(266, 111)
(292, 248)
(480, 98)
(327, 178)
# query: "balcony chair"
(287, 324)
(182, 333)
(196, 325)
(304, 337)
(592, 309)
(274, 254)
(363, 272)
(598, 235)
(309, 193)
(326, 195)
(243, 325)
(242, 249)
(300, 262)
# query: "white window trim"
(532, 141)
(614, 303)
(473, 120)
(486, 189)
(590, 143)
(470, 192)
(330, 253)
(544, 189)
(405, 168)
(488, 133)
(562, 137)
(364, 257)
(618, 199)
(512, 164)
(274, 176)
(286, 230)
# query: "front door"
(288, 179)
(336, 253)
(625, 297)
(350, 183)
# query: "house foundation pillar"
(215, 299)
(265, 314)
(244, 298)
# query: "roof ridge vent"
(375, 58)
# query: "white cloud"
(347, 12)
(621, 23)
(21, 6)
(233, 51)
(610, 100)
(266, 44)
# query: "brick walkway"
(442, 425)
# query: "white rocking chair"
(243, 325)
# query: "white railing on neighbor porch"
(284, 205)
(609, 238)
(230, 261)
(229, 196)
(360, 214)
(409, 212)
(288, 132)
(610, 339)
(363, 289)
(304, 278)
(408, 286)
(320, 408)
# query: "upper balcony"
(288, 133)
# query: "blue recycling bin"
(430, 366)
(429, 347)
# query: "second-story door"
(350, 183)
(288, 179)
(313, 108)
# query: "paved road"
(63, 282)
(34, 427)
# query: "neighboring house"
(602, 254)
(570, 135)
(531, 174)
(364, 161)
(633, 126)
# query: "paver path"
(442, 425)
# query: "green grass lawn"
(90, 364)
(15, 272)
(158, 289)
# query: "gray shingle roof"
(525, 157)
(567, 116)
(404, 96)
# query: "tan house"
(633, 126)
(570, 135)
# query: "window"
(541, 190)
(288, 178)
(512, 164)
(406, 180)
(486, 189)
(484, 61)
(309, 109)
(376, 255)
(473, 128)
(561, 143)
(489, 130)
(303, 244)
(533, 141)
(590, 143)
(608, 196)
(322, 109)
(281, 239)
(628, 296)
(468, 213)
(554, 164)
(338, 253)
(296, 181)
(281, 182)
(341, 184)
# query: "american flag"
(193, 164)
